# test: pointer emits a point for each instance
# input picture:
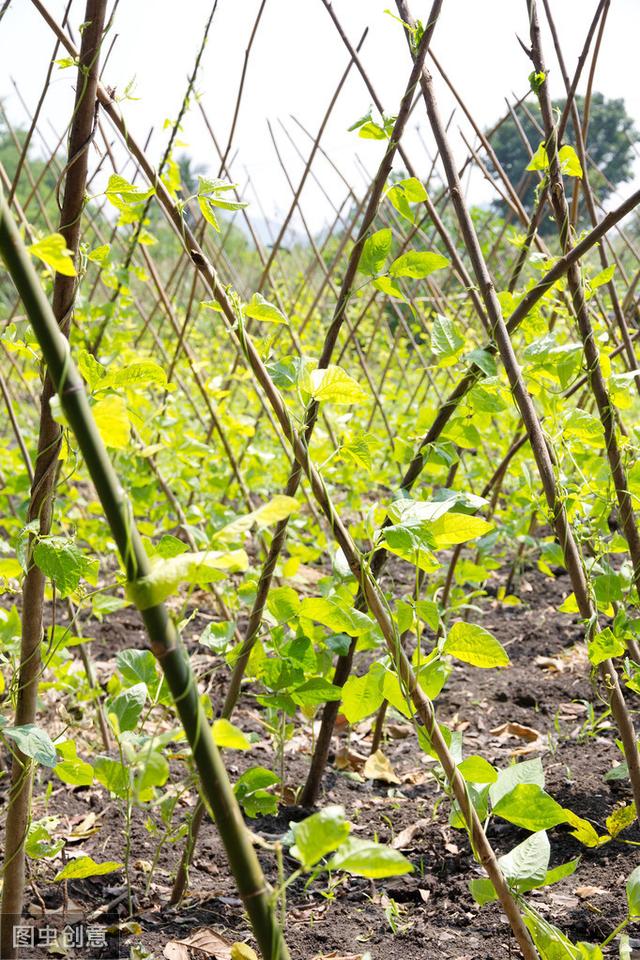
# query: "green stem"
(163, 638)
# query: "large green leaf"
(375, 252)
(62, 561)
(204, 566)
(33, 742)
(53, 251)
(528, 771)
(127, 707)
(475, 645)
(319, 834)
(361, 696)
(336, 614)
(417, 264)
(334, 385)
(365, 858)
(528, 806)
(633, 893)
(260, 309)
(446, 341)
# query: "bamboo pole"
(163, 638)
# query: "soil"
(430, 913)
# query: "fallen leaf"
(550, 663)
(399, 731)
(342, 956)
(585, 892)
(377, 767)
(404, 839)
(347, 759)
(208, 942)
(511, 729)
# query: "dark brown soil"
(430, 913)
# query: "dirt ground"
(425, 915)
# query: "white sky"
(295, 66)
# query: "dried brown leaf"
(377, 767)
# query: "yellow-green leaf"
(569, 162)
(334, 385)
(278, 508)
(226, 734)
(260, 309)
(53, 251)
(86, 867)
(204, 566)
(112, 421)
(453, 528)
(475, 645)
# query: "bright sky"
(294, 69)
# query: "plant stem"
(163, 638)
(45, 473)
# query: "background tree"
(610, 144)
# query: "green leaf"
(334, 385)
(475, 645)
(336, 615)
(99, 254)
(359, 448)
(139, 666)
(391, 289)
(529, 771)
(207, 212)
(365, 858)
(417, 264)
(528, 806)
(633, 893)
(251, 791)
(112, 774)
(540, 159)
(484, 360)
(86, 867)
(75, 772)
(278, 508)
(476, 769)
(404, 192)
(53, 251)
(569, 161)
(315, 691)
(526, 865)
(318, 835)
(61, 560)
(413, 541)
(453, 528)
(361, 696)
(152, 770)
(603, 277)
(283, 604)
(127, 707)
(204, 566)
(40, 843)
(33, 742)
(226, 734)
(139, 374)
(605, 645)
(560, 872)
(260, 309)
(374, 252)
(446, 341)
(112, 421)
